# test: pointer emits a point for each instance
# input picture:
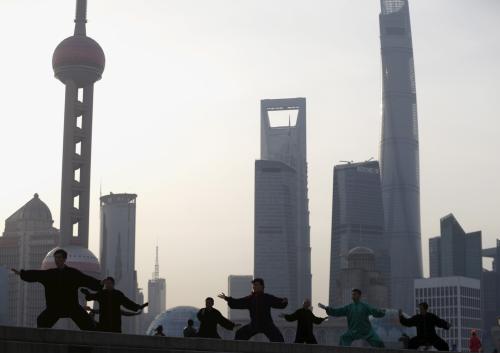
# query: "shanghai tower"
(399, 152)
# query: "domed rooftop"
(78, 257)
(34, 210)
(79, 58)
(174, 320)
(360, 250)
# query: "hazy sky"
(176, 117)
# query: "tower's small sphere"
(80, 59)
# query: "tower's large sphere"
(80, 59)
(78, 257)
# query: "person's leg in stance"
(440, 344)
(374, 340)
(83, 320)
(273, 334)
(415, 342)
(46, 319)
(245, 333)
(346, 339)
(311, 340)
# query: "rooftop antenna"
(81, 18)
(156, 274)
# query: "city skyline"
(125, 159)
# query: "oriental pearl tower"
(78, 62)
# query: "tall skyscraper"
(455, 252)
(157, 293)
(118, 244)
(399, 151)
(238, 286)
(357, 221)
(29, 234)
(282, 254)
(78, 62)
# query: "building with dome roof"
(361, 273)
(28, 236)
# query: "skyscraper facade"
(399, 154)
(455, 252)
(238, 286)
(118, 244)
(28, 236)
(357, 221)
(490, 296)
(282, 254)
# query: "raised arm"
(441, 323)
(240, 303)
(227, 324)
(408, 322)
(292, 317)
(337, 311)
(278, 303)
(33, 275)
(86, 281)
(375, 312)
(318, 320)
(129, 304)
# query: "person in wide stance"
(358, 322)
(110, 302)
(426, 324)
(305, 321)
(61, 292)
(259, 305)
(209, 318)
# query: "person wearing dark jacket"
(61, 292)
(110, 302)
(426, 324)
(305, 321)
(209, 318)
(259, 305)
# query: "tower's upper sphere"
(80, 59)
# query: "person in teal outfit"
(358, 324)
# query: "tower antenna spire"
(81, 18)
(156, 275)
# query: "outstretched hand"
(222, 296)
(16, 272)
(321, 306)
(144, 305)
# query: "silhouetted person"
(209, 319)
(358, 323)
(110, 302)
(159, 331)
(259, 304)
(474, 342)
(426, 324)
(189, 330)
(61, 292)
(305, 321)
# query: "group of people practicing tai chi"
(63, 282)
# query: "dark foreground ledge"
(30, 340)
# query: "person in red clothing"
(474, 342)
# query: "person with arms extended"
(426, 324)
(209, 319)
(61, 292)
(358, 323)
(259, 305)
(110, 302)
(305, 321)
